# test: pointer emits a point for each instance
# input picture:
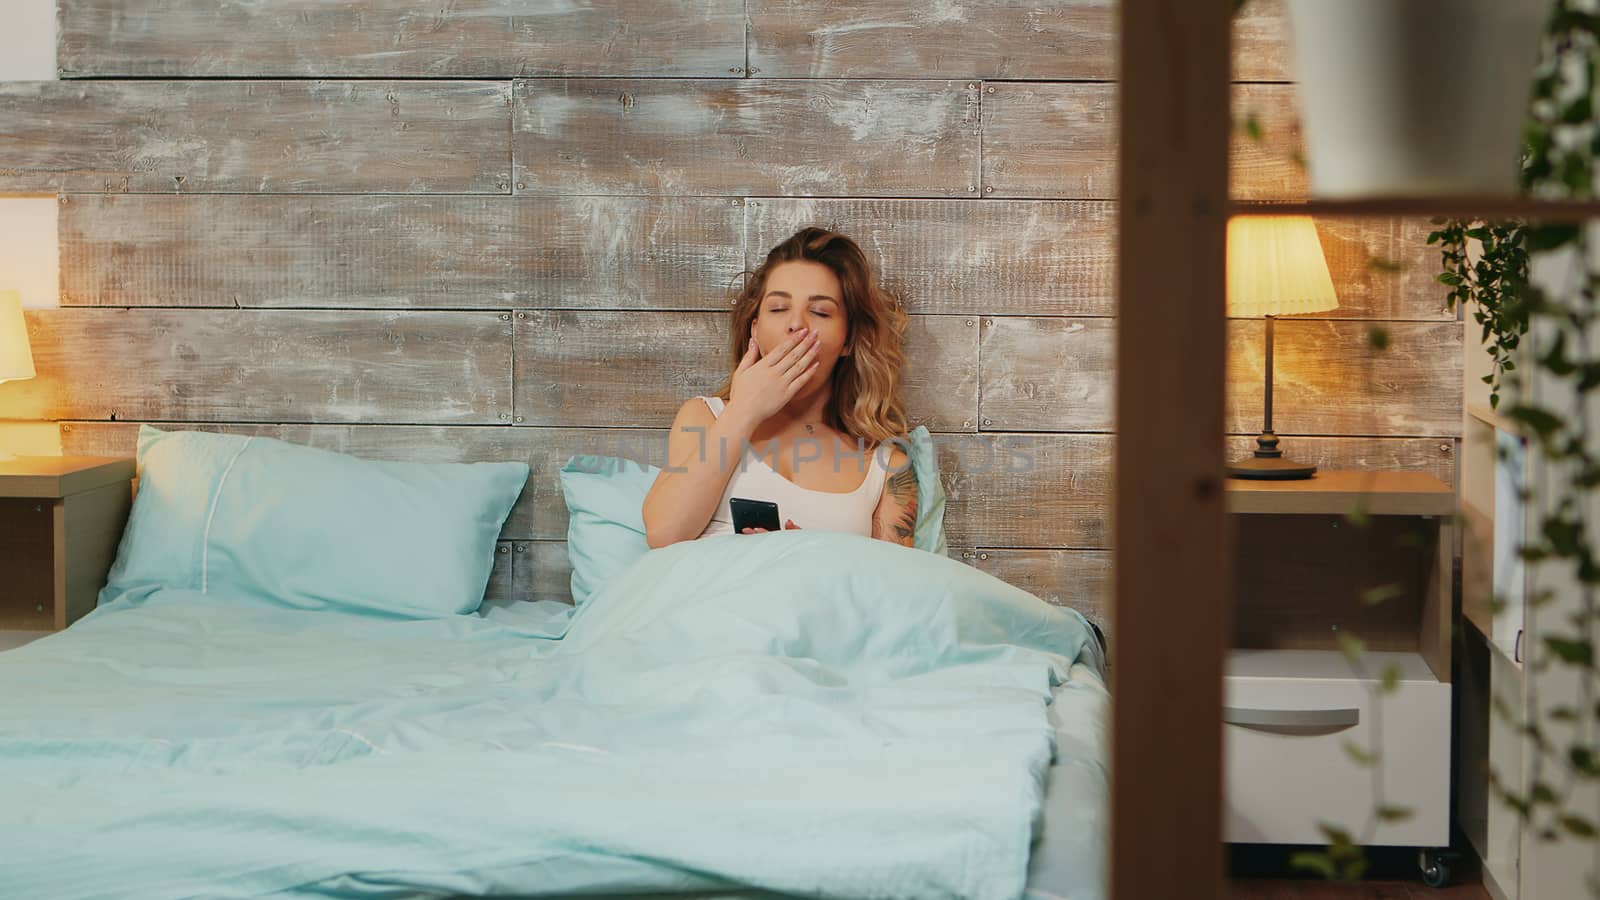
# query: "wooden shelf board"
(1483, 413)
(1340, 492)
(60, 476)
(1450, 207)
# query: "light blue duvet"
(801, 712)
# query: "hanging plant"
(1487, 268)
(1563, 145)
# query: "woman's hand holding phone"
(764, 382)
(788, 525)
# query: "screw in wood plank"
(505, 415)
(983, 556)
(522, 315)
(988, 422)
(737, 70)
(972, 189)
(967, 322)
(990, 89)
(989, 322)
(521, 185)
(522, 548)
(505, 317)
(988, 189)
(966, 423)
(519, 420)
(65, 200)
(501, 549)
(972, 85)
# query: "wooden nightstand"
(61, 518)
(1292, 700)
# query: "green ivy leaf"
(1572, 652)
(1338, 838)
(1360, 755)
(1549, 237)
(1357, 515)
(1394, 813)
(1542, 421)
(1380, 594)
(1389, 680)
(1578, 825)
(1352, 647)
(1583, 759)
(1313, 861)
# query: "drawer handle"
(1290, 718)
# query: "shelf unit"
(1174, 129)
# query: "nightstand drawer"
(1287, 768)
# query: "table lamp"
(16, 360)
(1275, 267)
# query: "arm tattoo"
(897, 521)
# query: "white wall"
(29, 255)
(27, 40)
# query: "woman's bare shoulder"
(693, 412)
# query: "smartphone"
(753, 514)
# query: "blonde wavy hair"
(865, 401)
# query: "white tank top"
(754, 479)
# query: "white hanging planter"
(1415, 97)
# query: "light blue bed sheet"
(805, 714)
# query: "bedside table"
(1293, 701)
(61, 519)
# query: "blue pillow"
(605, 525)
(261, 519)
(605, 507)
(929, 534)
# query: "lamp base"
(1270, 469)
(1269, 464)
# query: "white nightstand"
(61, 518)
(1292, 701)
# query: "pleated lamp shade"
(1276, 267)
(16, 360)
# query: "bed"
(794, 714)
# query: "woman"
(809, 416)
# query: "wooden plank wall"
(492, 229)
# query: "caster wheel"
(1435, 868)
